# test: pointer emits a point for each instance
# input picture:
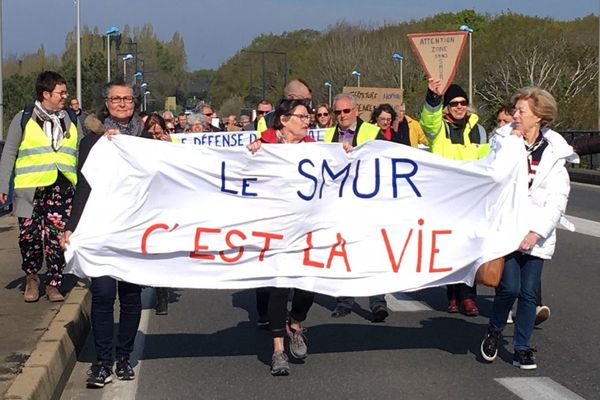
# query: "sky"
(214, 30)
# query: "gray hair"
(196, 118)
(348, 96)
(137, 92)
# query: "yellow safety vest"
(366, 132)
(38, 163)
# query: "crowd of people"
(48, 143)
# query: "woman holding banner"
(290, 125)
(120, 101)
(157, 127)
(547, 153)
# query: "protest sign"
(439, 53)
(367, 98)
(383, 218)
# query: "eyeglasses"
(261, 112)
(384, 119)
(345, 111)
(62, 94)
(208, 114)
(118, 99)
(463, 103)
(305, 117)
(319, 115)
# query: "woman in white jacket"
(549, 187)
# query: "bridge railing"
(587, 145)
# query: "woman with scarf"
(118, 117)
(408, 131)
(549, 186)
(41, 151)
(290, 125)
(453, 132)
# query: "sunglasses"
(463, 103)
(261, 112)
(322, 115)
(345, 111)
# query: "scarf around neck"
(133, 127)
(51, 123)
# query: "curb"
(580, 175)
(49, 366)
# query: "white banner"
(384, 218)
(231, 139)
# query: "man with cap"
(453, 132)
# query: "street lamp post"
(328, 85)
(137, 75)
(146, 93)
(262, 53)
(467, 28)
(78, 73)
(356, 74)
(1, 80)
(397, 56)
(112, 31)
(126, 58)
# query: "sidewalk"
(39, 340)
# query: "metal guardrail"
(587, 145)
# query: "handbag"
(490, 273)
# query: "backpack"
(29, 110)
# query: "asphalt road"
(208, 347)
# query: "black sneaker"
(98, 376)
(489, 346)
(380, 314)
(524, 359)
(124, 371)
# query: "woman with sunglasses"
(453, 132)
(290, 126)
(157, 127)
(324, 116)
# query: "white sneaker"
(509, 320)
(542, 313)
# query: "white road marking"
(584, 226)
(403, 302)
(125, 390)
(540, 388)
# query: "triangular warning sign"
(439, 53)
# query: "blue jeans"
(375, 302)
(521, 278)
(104, 291)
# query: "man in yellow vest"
(353, 131)
(41, 152)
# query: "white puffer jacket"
(549, 192)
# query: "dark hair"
(506, 108)
(264, 101)
(286, 107)
(154, 119)
(46, 82)
(385, 107)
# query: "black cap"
(453, 92)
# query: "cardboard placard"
(170, 103)
(439, 53)
(367, 98)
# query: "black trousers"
(302, 301)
